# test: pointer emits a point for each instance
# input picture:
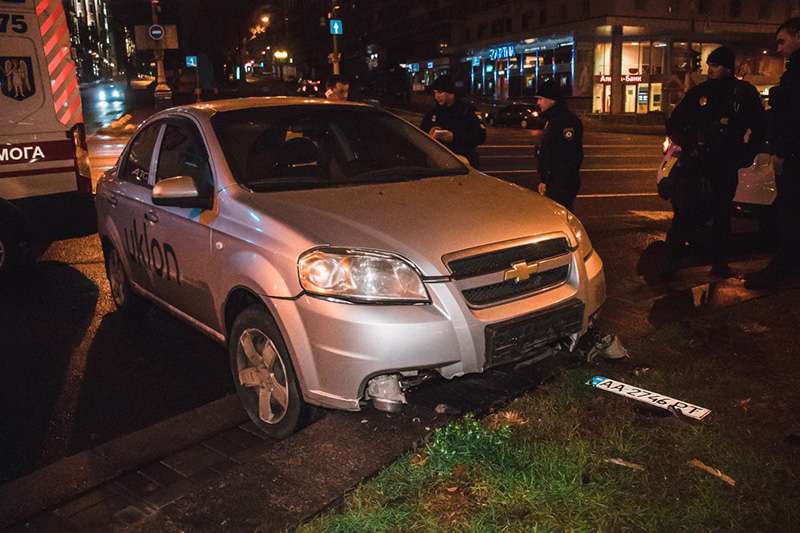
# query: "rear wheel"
(125, 299)
(9, 250)
(263, 374)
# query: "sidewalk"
(223, 474)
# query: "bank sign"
(502, 52)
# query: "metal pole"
(335, 58)
(163, 92)
(336, 55)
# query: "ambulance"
(45, 177)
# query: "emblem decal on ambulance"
(16, 77)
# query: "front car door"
(127, 199)
(181, 237)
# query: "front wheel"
(263, 374)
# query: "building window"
(467, 34)
(527, 21)
(508, 25)
(543, 16)
(587, 9)
(602, 59)
(563, 11)
(704, 7)
(764, 10)
(735, 8)
(674, 7)
(641, 5)
(482, 27)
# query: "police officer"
(785, 144)
(453, 122)
(561, 149)
(719, 126)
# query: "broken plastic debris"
(622, 462)
(716, 472)
(364, 421)
(444, 409)
(700, 294)
(608, 347)
(754, 328)
(648, 397)
(416, 420)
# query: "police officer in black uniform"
(561, 149)
(719, 126)
(453, 122)
(785, 144)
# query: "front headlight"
(361, 276)
(579, 234)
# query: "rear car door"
(127, 199)
(181, 236)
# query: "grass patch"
(542, 465)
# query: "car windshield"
(314, 146)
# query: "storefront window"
(602, 59)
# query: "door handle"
(152, 217)
(112, 200)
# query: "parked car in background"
(517, 114)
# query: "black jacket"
(460, 118)
(561, 151)
(786, 120)
(713, 117)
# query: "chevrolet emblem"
(521, 271)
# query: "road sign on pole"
(337, 28)
(191, 61)
(156, 32)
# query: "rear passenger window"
(184, 154)
(136, 167)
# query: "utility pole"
(163, 92)
(335, 57)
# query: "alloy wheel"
(260, 368)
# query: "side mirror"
(464, 160)
(180, 191)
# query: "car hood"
(421, 220)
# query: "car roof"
(235, 104)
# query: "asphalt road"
(78, 374)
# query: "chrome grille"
(481, 277)
(489, 262)
(507, 289)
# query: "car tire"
(123, 295)
(264, 376)
(10, 251)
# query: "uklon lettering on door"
(153, 255)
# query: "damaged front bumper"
(346, 354)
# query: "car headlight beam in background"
(361, 276)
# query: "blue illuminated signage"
(337, 28)
(191, 61)
(502, 52)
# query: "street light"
(265, 19)
(280, 54)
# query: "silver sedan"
(338, 252)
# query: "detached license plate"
(651, 398)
